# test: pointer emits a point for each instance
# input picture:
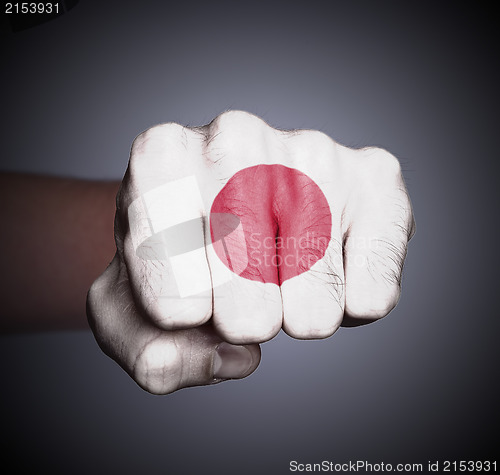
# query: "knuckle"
(157, 368)
(381, 163)
(182, 315)
(237, 120)
(102, 310)
(373, 306)
(93, 297)
(310, 146)
(96, 303)
(153, 151)
(247, 332)
(307, 330)
(235, 132)
(380, 307)
(156, 138)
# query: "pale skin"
(201, 341)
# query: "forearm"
(56, 238)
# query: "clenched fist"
(229, 232)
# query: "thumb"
(173, 360)
(160, 361)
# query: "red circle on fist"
(270, 223)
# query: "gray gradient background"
(421, 384)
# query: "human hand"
(229, 232)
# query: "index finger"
(161, 213)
